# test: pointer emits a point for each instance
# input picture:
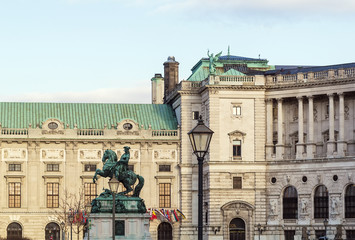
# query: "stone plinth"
(128, 226)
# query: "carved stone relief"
(134, 154)
(90, 154)
(346, 112)
(273, 211)
(14, 154)
(334, 206)
(50, 154)
(315, 114)
(164, 154)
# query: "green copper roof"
(233, 72)
(225, 66)
(87, 115)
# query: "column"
(311, 146)
(280, 138)
(341, 144)
(300, 144)
(331, 141)
(269, 128)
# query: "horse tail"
(138, 188)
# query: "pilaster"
(280, 147)
(300, 145)
(311, 146)
(331, 141)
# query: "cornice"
(309, 84)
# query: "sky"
(107, 51)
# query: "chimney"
(157, 89)
(171, 74)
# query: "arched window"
(321, 202)
(290, 203)
(14, 231)
(237, 229)
(350, 201)
(52, 231)
(165, 231)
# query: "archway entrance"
(237, 229)
(14, 231)
(52, 231)
(165, 231)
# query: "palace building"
(51, 149)
(280, 165)
(281, 161)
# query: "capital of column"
(269, 100)
(330, 95)
(279, 99)
(310, 96)
(300, 98)
(340, 93)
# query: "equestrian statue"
(119, 170)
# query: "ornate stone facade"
(34, 158)
(292, 135)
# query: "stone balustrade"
(302, 77)
(11, 133)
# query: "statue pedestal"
(128, 226)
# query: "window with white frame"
(237, 110)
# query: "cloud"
(104, 95)
(271, 6)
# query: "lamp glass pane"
(113, 184)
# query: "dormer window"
(127, 126)
(52, 125)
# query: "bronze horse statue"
(119, 170)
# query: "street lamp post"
(71, 219)
(62, 225)
(260, 229)
(200, 138)
(113, 184)
(325, 228)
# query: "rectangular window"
(90, 167)
(90, 192)
(195, 115)
(164, 168)
(237, 110)
(14, 167)
(237, 182)
(319, 233)
(53, 167)
(14, 195)
(350, 234)
(164, 195)
(237, 148)
(52, 195)
(290, 234)
(131, 167)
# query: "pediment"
(237, 206)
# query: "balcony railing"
(302, 77)
(242, 79)
(164, 133)
(90, 132)
(13, 131)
